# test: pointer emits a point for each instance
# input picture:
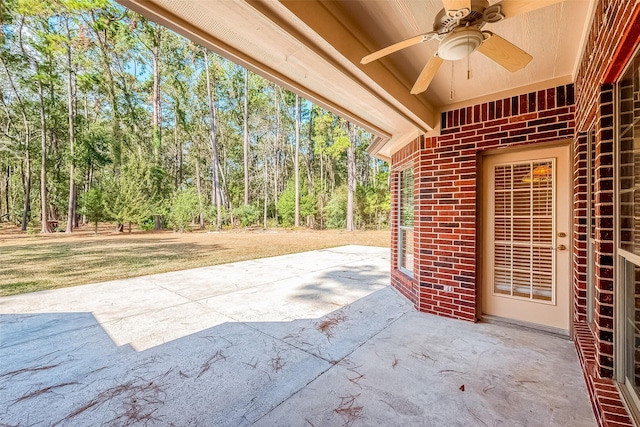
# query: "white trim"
(618, 288)
(401, 228)
(629, 256)
(620, 256)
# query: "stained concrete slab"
(283, 341)
(425, 370)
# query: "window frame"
(405, 228)
(623, 260)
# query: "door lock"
(562, 234)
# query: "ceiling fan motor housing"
(446, 22)
(460, 43)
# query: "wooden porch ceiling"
(314, 47)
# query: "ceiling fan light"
(459, 44)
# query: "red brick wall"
(405, 158)
(446, 191)
(612, 39)
(607, 405)
(580, 227)
(615, 24)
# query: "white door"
(527, 236)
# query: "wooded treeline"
(106, 116)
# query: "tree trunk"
(332, 178)
(76, 217)
(44, 217)
(276, 145)
(102, 37)
(266, 190)
(245, 133)
(214, 147)
(71, 212)
(89, 176)
(26, 213)
(365, 172)
(296, 163)
(199, 190)
(26, 175)
(53, 137)
(178, 142)
(309, 163)
(83, 221)
(157, 133)
(7, 188)
(224, 190)
(351, 174)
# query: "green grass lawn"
(35, 263)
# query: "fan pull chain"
(468, 59)
(452, 94)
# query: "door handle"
(561, 248)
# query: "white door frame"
(481, 202)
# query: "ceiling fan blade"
(428, 73)
(395, 47)
(456, 4)
(512, 8)
(504, 53)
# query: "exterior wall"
(606, 53)
(446, 189)
(580, 227)
(612, 40)
(406, 157)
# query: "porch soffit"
(313, 48)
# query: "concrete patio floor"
(315, 339)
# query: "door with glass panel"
(526, 236)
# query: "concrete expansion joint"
(331, 363)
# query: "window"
(628, 230)
(405, 221)
(524, 212)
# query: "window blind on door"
(523, 258)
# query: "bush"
(372, 206)
(248, 215)
(92, 205)
(184, 208)
(147, 224)
(287, 204)
(336, 209)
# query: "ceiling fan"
(458, 27)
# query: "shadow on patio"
(325, 344)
